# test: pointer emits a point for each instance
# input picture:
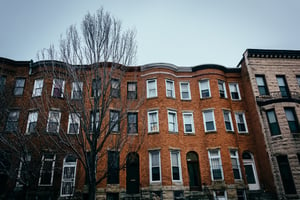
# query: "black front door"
(193, 169)
(286, 175)
(132, 174)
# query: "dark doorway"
(193, 169)
(286, 175)
(132, 173)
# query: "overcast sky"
(181, 32)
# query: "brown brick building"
(204, 137)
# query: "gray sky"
(181, 32)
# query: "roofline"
(14, 62)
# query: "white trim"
(179, 165)
(224, 87)
(236, 86)
(167, 73)
(205, 120)
(40, 83)
(150, 166)
(27, 160)
(32, 117)
(204, 81)
(230, 120)
(175, 122)
(192, 122)
(237, 114)
(155, 87)
(73, 117)
(68, 164)
(220, 198)
(236, 157)
(251, 162)
(62, 87)
(173, 88)
(52, 169)
(219, 163)
(77, 85)
(157, 119)
(56, 120)
(188, 88)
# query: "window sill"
(243, 133)
(153, 133)
(230, 132)
(156, 97)
(173, 132)
(236, 99)
(36, 96)
(189, 134)
(186, 99)
(132, 134)
(204, 98)
(211, 132)
(171, 98)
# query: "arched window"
(193, 170)
(250, 170)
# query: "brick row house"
(209, 131)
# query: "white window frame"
(74, 118)
(219, 163)
(174, 114)
(62, 87)
(38, 87)
(188, 90)
(56, 120)
(92, 120)
(19, 86)
(235, 156)
(150, 166)
(228, 113)
(12, 119)
(52, 169)
(202, 88)
(149, 122)
(27, 160)
(232, 88)
(172, 89)
(32, 117)
(173, 165)
(77, 86)
(63, 179)
(185, 122)
(149, 94)
(221, 82)
(237, 114)
(220, 197)
(114, 121)
(205, 120)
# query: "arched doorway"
(193, 170)
(132, 173)
(250, 170)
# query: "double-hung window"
(170, 89)
(74, 123)
(261, 84)
(204, 89)
(176, 166)
(151, 88)
(284, 90)
(53, 121)
(222, 89)
(292, 120)
(37, 87)
(96, 87)
(113, 167)
(215, 162)
(234, 91)
(172, 121)
(241, 122)
(94, 120)
(273, 123)
(77, 87)
(155, 166)
(2, 84)
(227, 120)
(68, 176)
(24, 167)
(115, 88)
(47, 169)
(132, 122)
(185, 92)
(131, 90)
(114, 122)
(188, 122)
(235, 164)
(12, 121)
(209, 120)
(153, 124)
(19, 87)
(58, 88)
(32, 122)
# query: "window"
(131, 90)
(204, 88)
(114, 122)
(32, 122)
(261, 84)
(220, 195)
(115, 88)
(172, 120)
(112, 196)
(22, 174)
(47, 169)
(234, 91)
(153, 125)
(132, 122)
(53, 122)
(19, 87)
(215, 162)
(241, 194)
(96, 87)
(94, 120)
(209, 120)
(176, 166)
(227, 120)
(12, 121)
(273, 123)
(235, 164)
(2, 84)
(74, 123)
(241, 122)
(185, 93)
(113, 167)
(188, 122)
(68, 176)
(58, 88)
(37, 87)
(170, 89)
(222, 89)
(298, 80)
(77, 88)
(284, 90)
(151, 88)
(154, 162)
(292, 120)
